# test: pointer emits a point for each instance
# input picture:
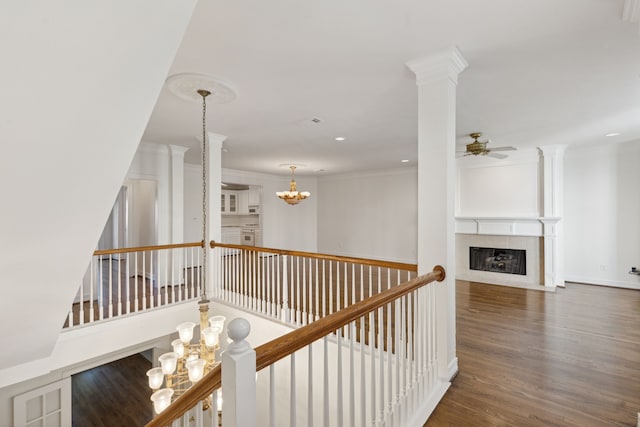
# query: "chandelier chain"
(203, 290)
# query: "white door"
(48, 406)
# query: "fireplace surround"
(535, 236)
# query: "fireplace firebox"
(510, 261)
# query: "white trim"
(428, 405)
(600, 282)
(505, 226)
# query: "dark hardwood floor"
(112, 395)
(531, 358)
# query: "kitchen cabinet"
(229, 202)
(231, 235)
(243, 202)
(254, 196)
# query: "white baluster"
(110, 310)
(310, 400)
(272, 395)
(292, 391)
(317, 286)
(324, 290)
(325, 384)
(330, 287)
(297, 290)
(136, 281)
(93, 284)
(339, 393)
(352, 369)
(128, 282)
(285, 290)
(119, 286)
(100, 288)
(238, 377)
(166, 279)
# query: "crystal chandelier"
(293, 196)
(189, 362)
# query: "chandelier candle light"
(293, 196)
(189, 362)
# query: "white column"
(176, 200)
(214, 216)
(177, 192)
(552, 213)
(239, 378)
(437, 78)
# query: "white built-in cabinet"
(238, 202)
(231, 235)
(254, 196)
(229, 202)
(243, 202)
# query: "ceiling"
(540, 72)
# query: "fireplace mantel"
(507, 226)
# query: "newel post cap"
(238, 330)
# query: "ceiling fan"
(479, 148)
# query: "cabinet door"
(243, 202)
(233, 203)
(223, 202)
(254, 196)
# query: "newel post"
(239, 378)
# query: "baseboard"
(426, 408)
(599, 282)
(452, 369)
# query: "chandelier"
(293, 196)
(189, 362)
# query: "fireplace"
(498, 260)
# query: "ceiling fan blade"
(503, 149)
(496, 155)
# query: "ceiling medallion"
(187, 85)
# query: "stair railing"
(298, 287)
(374, 362)
(126, 281)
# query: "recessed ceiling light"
(613, 134)
(404, 161)
(339, 138)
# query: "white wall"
(78, 89)
(602, 214)
(489, 187)
(370, 215)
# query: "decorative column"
(239, 377)
(552, 213)
(176, 200)
(437, 78)
(214, 215)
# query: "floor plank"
(531, 358)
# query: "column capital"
(445, 63)
(178, 149)
(216, 139)
(552, 150)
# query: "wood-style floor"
(526, 358)
(531, 358)
(112, 395)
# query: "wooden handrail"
(365, 261)
(147, 248)
(269, 353)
